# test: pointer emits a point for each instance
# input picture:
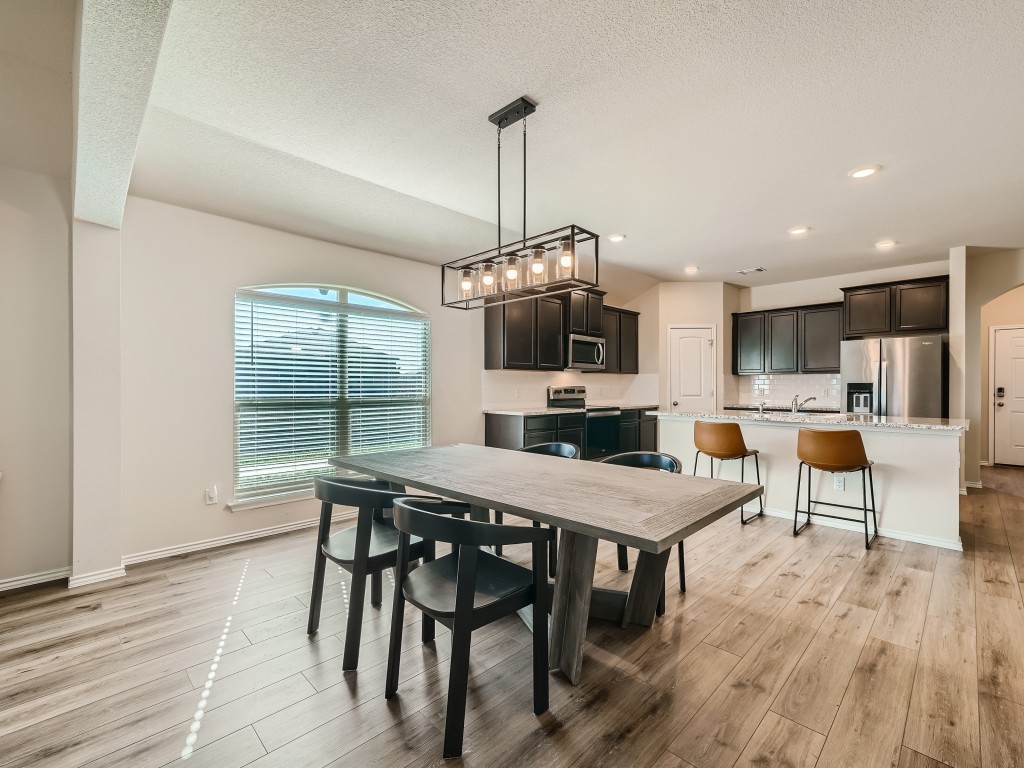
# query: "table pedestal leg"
(645, 589)
(570, 606)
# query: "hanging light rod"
(514, 112)
(557, 261)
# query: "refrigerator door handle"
(883, 404)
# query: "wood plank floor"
(795, 652)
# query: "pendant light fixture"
(554, 262)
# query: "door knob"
(1000, 404)
(675, 402)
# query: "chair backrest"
(646, 460)
(564, 450)
(832, 450)
(370, 493)
(720, 439)
(442, 520)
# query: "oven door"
(585, 353)
(602, 432)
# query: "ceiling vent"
(750, 270)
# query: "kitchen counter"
(540, 410)
(847, 421)
(780, 408)
(916, 468)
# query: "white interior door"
(691, 364)
(1008, 417)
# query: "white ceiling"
(36, 42)
(703, 130)
(118, 50)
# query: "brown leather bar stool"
(723, 440)
(839, 450)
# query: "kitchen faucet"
(798, 406)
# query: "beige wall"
(180, 271)
(1007, 309)
(989, 273)
(825, 289)
(35, 383)
(684, 303)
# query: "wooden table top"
(640, 508)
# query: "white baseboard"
(92, 578)
(232, 538)
(973, 484)
(34, 578)
(888, 533)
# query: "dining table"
(587, 501)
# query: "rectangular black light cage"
(585, 272)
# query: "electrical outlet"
(839, 482)
(211, 494)
(824, 392)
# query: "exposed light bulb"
(466, 284)
(512, 272)
(538, 265)
(488, 278)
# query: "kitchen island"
(916, 471)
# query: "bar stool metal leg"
(757, 471)
(796, 508)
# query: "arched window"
(322, 371)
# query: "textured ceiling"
(703, 130)
(36, 42)
(120, 42)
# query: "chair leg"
(319, 568)
(697, 456)
(874, 516)
(357, 591)
(757, 473)
(458, 685)
(623, 557)
(540, 641)
(499, 518)
(743, 466)
(553, 554)
(395, 643)
(376, 589)
(796, 507)
(682, 569)
(427, 624)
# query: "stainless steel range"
(602, 431)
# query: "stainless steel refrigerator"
(898, 376)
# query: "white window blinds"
(322, 372)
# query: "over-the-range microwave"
(585, 353)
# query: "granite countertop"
(957, 426)
(781, 408)
(540, 410)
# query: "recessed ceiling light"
(691, 270)
(617, 238)
(802, 229)
(885, 244)
(863, 171)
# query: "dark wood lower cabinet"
(649, 433)
(629, 436)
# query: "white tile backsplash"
(781, 388)
(519, 389)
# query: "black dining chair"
(368, 548)
(649, 460)
(561, 450)
(464, 591)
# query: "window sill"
(269, 501)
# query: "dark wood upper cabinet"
(781, 349)
(578, 312)
(821, 333)
(748, 343)
(549, 332)
(629, 342)
(510, 332)
(921, 306)
(911, 306)
(868, 311)
(595, 313)
(610, 323)
(585, 314)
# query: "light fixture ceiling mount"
(554, 262)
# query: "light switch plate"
(839, 482)
(211, 494)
